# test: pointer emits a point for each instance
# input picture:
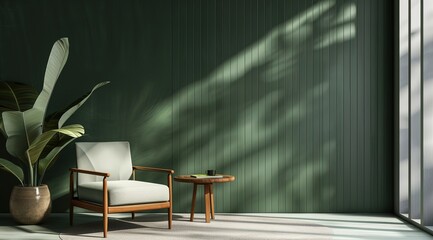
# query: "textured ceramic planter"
(30, 205)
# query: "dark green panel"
(290, 96)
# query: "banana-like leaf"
(56, 61)
(21, 129)
(57, 119)
(8, 166)
(38, 145)
(15, 96)
(84, 98)
(2, 126)
(51, 157)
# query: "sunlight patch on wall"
(347, 14)
(337, 35)
(343, 27)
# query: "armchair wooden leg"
(105, 204)
(71, 197)
(170, 209)
(170, 217)
(132, 215)
(105, 216)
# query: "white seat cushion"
(124, 192)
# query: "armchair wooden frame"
(105, 209)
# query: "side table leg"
(212, 205)
(207, 201)
(191, 218)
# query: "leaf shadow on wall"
(259, 115)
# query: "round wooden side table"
(208, 192)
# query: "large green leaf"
(57, 119)
(74, 108)
(56, 61)
(21, 128)
(15, 96)
(8, 166)
(38, 145)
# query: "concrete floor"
(344, 226)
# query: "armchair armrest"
(169, 171)
(163, 170)
(77, 170)
(104, 185)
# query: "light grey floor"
(344, 226)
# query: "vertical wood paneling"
(282, 73)
(303, 123)
(346, 114)
(220, 150)
(380, 108)
(334, 167)
(374, 105)
(388, 102)
(176, 46)
(360, 135)
(309, 131)
(254, 149)
(328, 145)
(288, 147)
(353, 114)
(367, 107)
(289, 96)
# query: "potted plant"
(34, 138)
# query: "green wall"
(294, 98)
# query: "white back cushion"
(111, 157)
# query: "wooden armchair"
(104, 170)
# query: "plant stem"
(31, 177)
(40, 179)
(31, 183)
(35, 169)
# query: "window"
(416, 111)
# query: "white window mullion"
(404, 108)
(415, 110)
(427, 70)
